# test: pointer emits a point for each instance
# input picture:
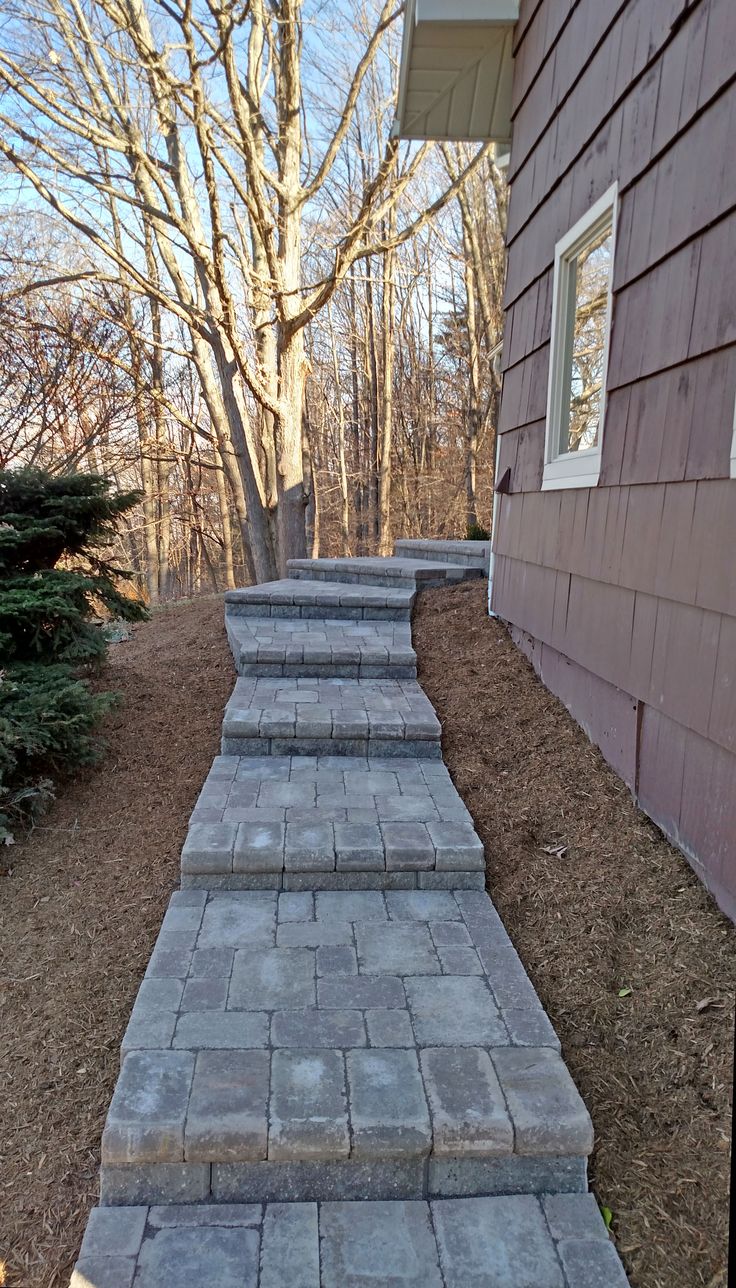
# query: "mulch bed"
(598, 902)
(594, 897)
(81, 902)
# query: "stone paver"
(337, 601)
(337, 1071)
(338, 1027)
(312, 716)
(497, 1242)
(334, 817)
(273, 646)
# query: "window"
(581, 323)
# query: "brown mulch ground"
(83, 900)
(80, 909)
(619, 908)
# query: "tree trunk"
(385, 544)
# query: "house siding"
(624, 595)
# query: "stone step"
(289, 716)
(293, 597)
(330, 822)
(360, 1044)
(412, 574)
(272, 646)
(475, 554)
(519, 1241)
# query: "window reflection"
(588, 280)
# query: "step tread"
(294, 645)
(270, 714)
(476, 552)
(520, 1241)
(292, 590)
(386, 565)
(254, 813)
(356, 1026)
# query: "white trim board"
(575, 469)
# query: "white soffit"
(456, 70)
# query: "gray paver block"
(591, 1263)
(221, 1030)
(506, 1174)
(454, 1011)
(211, 963)
(530, 1028)
(191, 1214)
(309, 847)
(407, 846)
(296, 907)
(389, 1028)
(458, 960)
(457, 846)
(114, 1232)
(204, 995)
(272, 978)
(469, 1115)
(259, 847)
(421, 905)
(290, 1247)
(308, 1108)
(378, 1243)
(155, 1183)
(103, 1272)
(396, 950)
(310, 1028)
(227, 1257)
(502, 1240)
(574, 1216)
(362, 991)
(388, 1108)
(226, 1119)
(336, 959)
(235, 923)
(450, 934)
(208, 848)
(546, 1109)
(314, 934)
(350, 905)
(319, 1180)
(145, 1122)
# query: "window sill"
(572, 471)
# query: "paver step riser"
(374, 1180)
(417, 581)
(473, 554)
(315, 612)
(319, 880)
(374, 748)
(323, 670)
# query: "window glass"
(588, 277)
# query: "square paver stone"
(145, 1122)
(454, 1011)
(114, 1232)
(373, 1244)
(495, 1241)
(546, 1108)
(239, 923)
(272, 978)
(396, 950)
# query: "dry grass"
(81, 902)
(596, 901)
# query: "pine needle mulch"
(81, 902)
(599, 903)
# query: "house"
(615, 530)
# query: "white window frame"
(575, 469)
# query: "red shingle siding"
(630, 588)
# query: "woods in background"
(224, 283)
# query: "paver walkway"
(337, 1073)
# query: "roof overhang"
(456, 70)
